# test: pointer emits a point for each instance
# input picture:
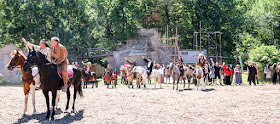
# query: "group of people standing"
(215, 72)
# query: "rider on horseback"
(181, 65)
(133, 63)
(201, 62)
(149, 66)
(43, 48)
(59, 57)
(88, 67)
(108, 69)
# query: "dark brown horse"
(50, 80)
(89, 77)
(27, 82)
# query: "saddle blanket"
(69, 71)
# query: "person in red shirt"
(227, 74)
(232, 73)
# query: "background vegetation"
(249, 27)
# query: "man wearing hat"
(43, 48)
(149, 66)
(59, 57)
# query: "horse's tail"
(80, 90)
(274, 77)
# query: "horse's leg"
(46, 94)
(32, 90)
(203, 85)
(68, 99)
(54, 92)
(25, 103)
(173, 82)
(184, 81)
(160, 83)
(74, 99)
(197, 83)
(189, 82)
(178, 83)
(144, 82)
(57, 98)
(155, 82)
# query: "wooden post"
(208, 46)
(200, 35)
(220, 47)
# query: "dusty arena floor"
(218, 104)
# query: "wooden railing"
(91, 53)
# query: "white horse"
(175, 74)
(187, 75)
(156, 74)
(200, 77)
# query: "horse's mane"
(44, 56)
(20, 53)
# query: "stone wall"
(9, 76)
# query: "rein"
(24, 81)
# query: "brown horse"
(107, 79)
(27, 82)
(130, 77)
(89, 77)
(124, 77)
(114, 78)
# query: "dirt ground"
(218, 104)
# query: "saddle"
(69, 71)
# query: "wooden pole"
(200, 35)
(220, 46)
(196, 42)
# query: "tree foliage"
(263, 55)
(245, 24)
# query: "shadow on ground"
(41, 118)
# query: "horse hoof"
(72, 111)
(65, 111)
(34, 113)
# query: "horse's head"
(18, 59)
(31, 61)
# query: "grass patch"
(9, 84)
